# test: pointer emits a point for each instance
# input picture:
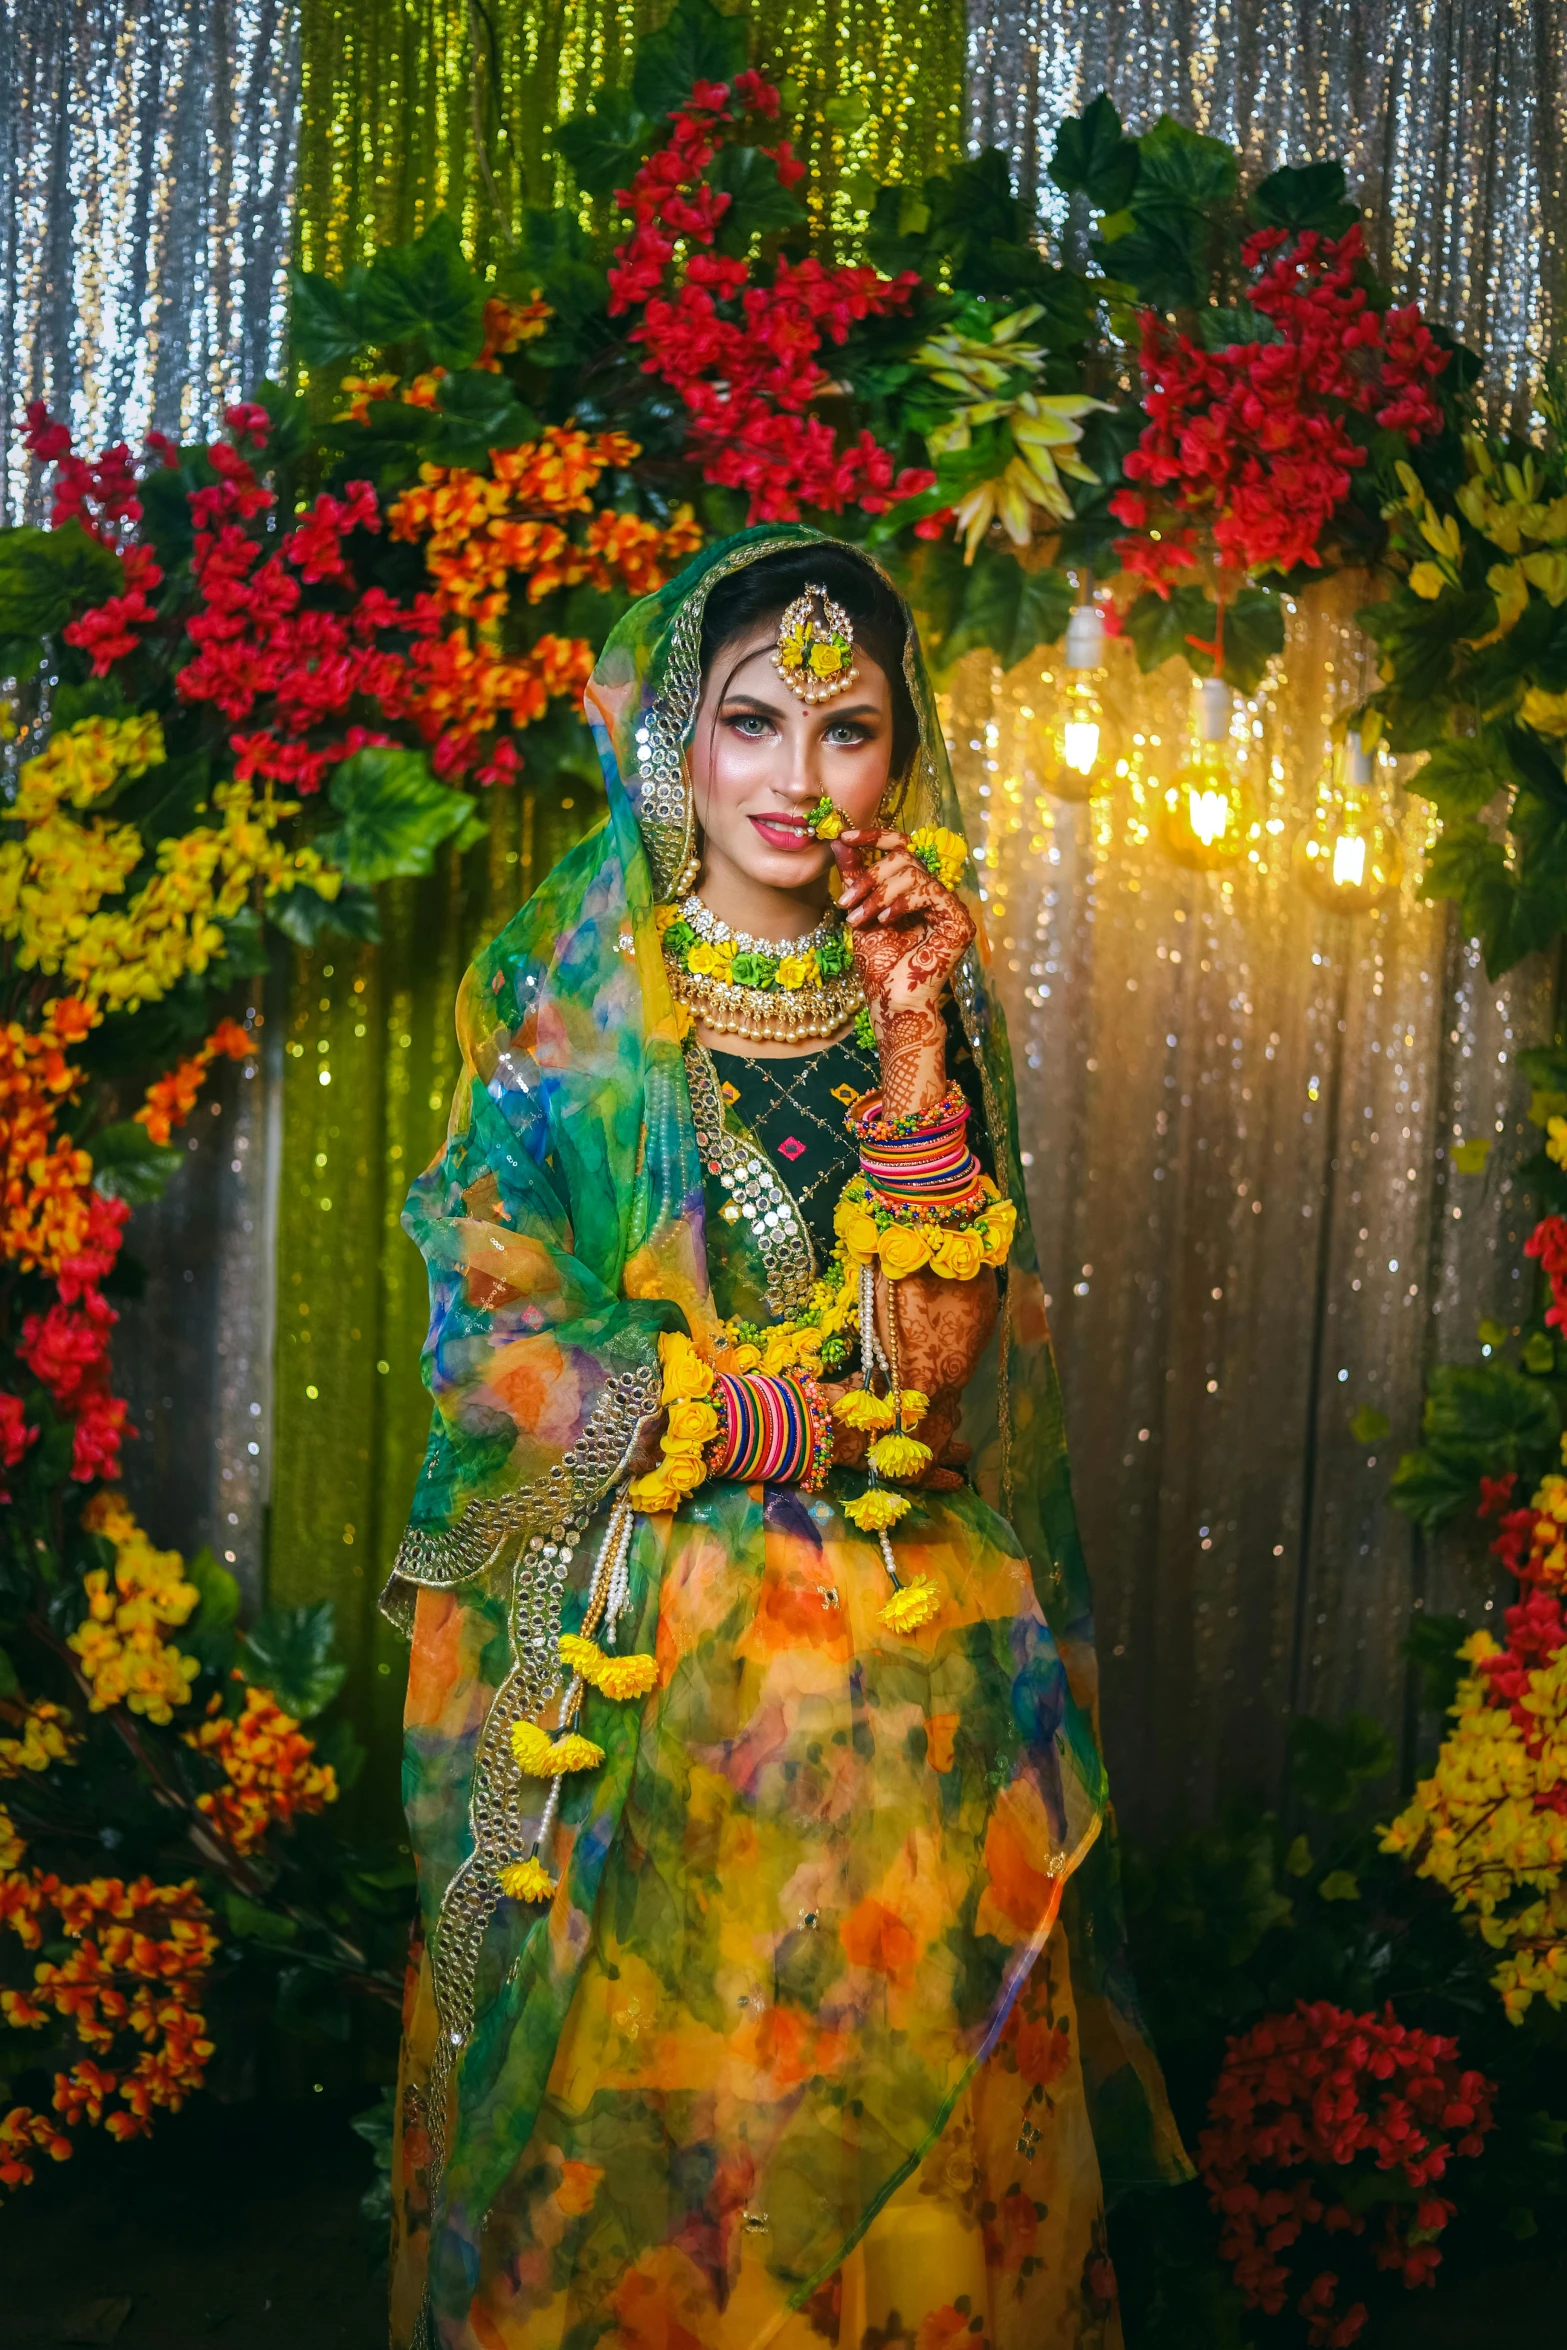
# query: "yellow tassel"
(876, 1508)
(913, 1405)
(621, 1677)
(581, 1656)
(544, 1757)
(916, 1604)
(899, 1456)
(527, 1880)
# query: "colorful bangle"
(918, 1166)
(773, 1430)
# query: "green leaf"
(696, 44)
(306, 917)
(289, 1650)
(1431, 1645)
(1369, 1426)
(1298, 1861)
(1253, 634)
(1008, 609)
(46, 575)
(1330, 1760)
(1431, 1489)
(476, 411)
(219, 1591)
(129, 1165)
(604, 147)
(251, 1921)
(1464, 775)
(1340, 1885)
(758, 200)
(1469, 1158)
(1491, 1408)
(1091, 158)
(1162, 258)
(427, 292)
(1160, 627)
(1183, 167)
(325, 320)
(1310, 195)
(394, 815)
(1539, 1354)
(10, 1686)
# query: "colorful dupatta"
(800, 1897)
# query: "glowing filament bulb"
(1080, 743)
(1079, 751)
(1208, 814)
(1349, 862)
(1348, 856)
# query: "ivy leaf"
(1339, 1885)
(1159, 626)
(427, 292)
(45, 575)
(605, 145)
(305, 917)
(476, 411)
(1253, 633)
(289, 1650)
(1183, 167)
(326, 320)
(1091, 158)
(394, 815)
(1310, 195)
(129, 1165)
(1007, 608)
(1464, 775)
(696, 44)
(1491, 1409)
(758, 200)
(1330, 1760)
(1161, 258)
(1431, 1489)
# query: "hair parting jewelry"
(815, 657)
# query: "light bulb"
(1208, 815)
(1348, 856)
(1080, 750)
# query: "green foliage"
(1431, 1645)
(605, 143)
(424, 294)
(992, 601)
(1368, 1426)
(305, 917)
(759, 203)
(476, 411)
(1091, 157)
(46, 575)
(1165, 242)
(129, 1165)
(1480, 1419)
(1305, 196)
(289, 1650)
(1169, 628)
(1331, 1761)
(695, 44)
(394, 816)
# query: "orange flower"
(45, 1210)
(876, 1937)
(170, 1101)
(506, 324)
(268, 1763)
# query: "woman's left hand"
(907, 931)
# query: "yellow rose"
(653, 1494)
(692, 1423)
(702, 960)
(792, 971)
(684, 1470)
(685, 1373)
(958, 1256)
(665, 917)
(859, 1235)
(1000, 1225)
(745, 1358)
(903, 1248)
(826, 659)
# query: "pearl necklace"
(772, 1000)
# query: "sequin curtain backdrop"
(146, 171)
(386, 138)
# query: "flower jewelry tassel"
(541, 1755)
(875, 1510)
(825, 822)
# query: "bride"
(771, 1988)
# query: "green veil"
(563, 1228)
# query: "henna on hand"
(943, 1329)
(908, 934)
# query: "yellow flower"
(1546, 713)
(702, 960)
(1427, 581)
(792, 972)
(826, 657)
(683, 1469)
(691, 1422)
(622, 1677)
(528, 1880)
(899, 1456)
(744, 1358)
(653, 1494)
(544, 1757)
(913, 1406)
(665, 918)
(915, 1604)
(875, 1509)
(1000, 1223)
(1556, 1143)
(685, 1373)
(857, 1230)
(947, 851)
(959, 1256)
(859, 1409)
(903, 1249)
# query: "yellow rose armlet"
(690, 1424)
(957, 1252)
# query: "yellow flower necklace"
(784, 991)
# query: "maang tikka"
(815, 656)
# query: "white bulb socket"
(1359, 764)
(1085, 638)
(1213, 711)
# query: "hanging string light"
(1208, 815)
(1348, 855)
(1080, 747)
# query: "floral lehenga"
(823, 2035)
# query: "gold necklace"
(765, 990)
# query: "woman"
(772, 1989)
